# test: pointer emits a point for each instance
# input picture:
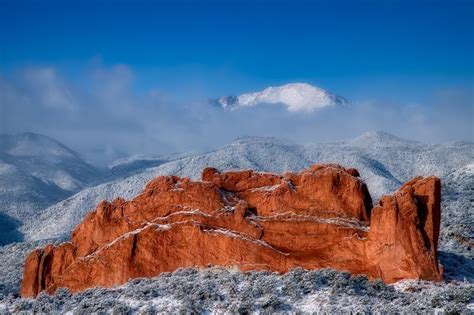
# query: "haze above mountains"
(111, 120)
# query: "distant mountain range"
(294, 96)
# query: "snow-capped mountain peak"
(295, 96)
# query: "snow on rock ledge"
(321, 217)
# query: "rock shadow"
(456, 266)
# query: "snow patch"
(294, 217)
(234, 234)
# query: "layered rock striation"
(321, 217)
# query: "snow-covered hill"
(47, 160)
(295, 96)
(383, 160)
(458, 211)
(36, 172)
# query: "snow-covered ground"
(229, 291)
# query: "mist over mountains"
(106, 118)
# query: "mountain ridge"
(33, 144)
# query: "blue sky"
(114, 78)
(405, 49)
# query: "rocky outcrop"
(321, 217)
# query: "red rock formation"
(321, 217)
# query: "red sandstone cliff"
(321, 217)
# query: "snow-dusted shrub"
(121, 309)
(43, 303)
(454, 299)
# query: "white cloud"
(104, 118)
(46, 89)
